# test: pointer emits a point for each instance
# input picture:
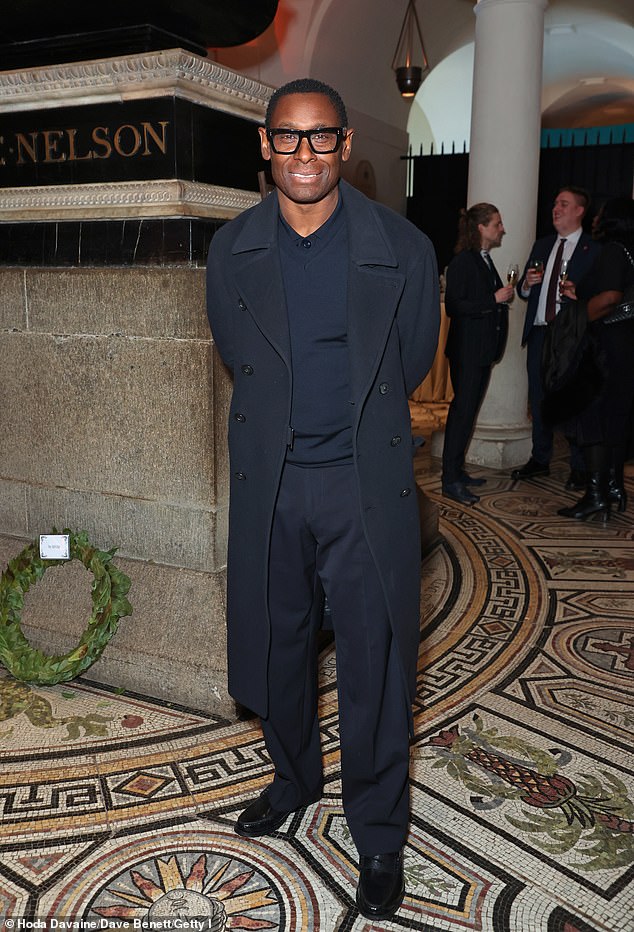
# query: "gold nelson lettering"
(72, 145)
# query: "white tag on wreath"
(54, 547)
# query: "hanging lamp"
(410, 62)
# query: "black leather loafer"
(260, 818)
(530, 470)
(381, 885)
(466, 479)
(459, 493)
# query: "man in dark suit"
(476, 303)
(325, 306)
(539, 287)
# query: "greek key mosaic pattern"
(117, 811)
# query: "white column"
(503, 170)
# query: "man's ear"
(265, 148)
(347, 146)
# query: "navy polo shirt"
(315, 275)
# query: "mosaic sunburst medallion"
(213, 893)
(205, 881)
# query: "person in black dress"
(603, 429)
(476, 302)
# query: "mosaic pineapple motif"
(596, 561)
(568, 808)
(539, 790)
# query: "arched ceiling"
(588, 64)
(587, 78)
(588, 69)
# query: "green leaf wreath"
(109, 603)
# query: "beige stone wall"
(113, 409)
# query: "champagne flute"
(536, 265)
(512, 274)
(563, 276)
(563, 271)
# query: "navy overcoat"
(393, 319)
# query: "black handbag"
(572, 368)
(624, 310)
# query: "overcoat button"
(405, 492)
(242, 305)
(395, 441)
(240, 475)
(239, 417)
(384, 388)
(247, 370)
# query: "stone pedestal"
(114, 176)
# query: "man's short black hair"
(582, 196)
(308, 86)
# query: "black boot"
(616, 489)
(595, 502)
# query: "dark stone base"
(37, 32)
(82, 244)
(131, 140)
(106, 43)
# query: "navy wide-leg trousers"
(317, 537)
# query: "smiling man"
(538, 286)
(325, 307)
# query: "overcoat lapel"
(374, 285)
(374, 290)
(258, 276)
(372, 301)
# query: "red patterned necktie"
(551, 296)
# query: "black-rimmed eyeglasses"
(322, 141)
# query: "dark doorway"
(439, 186)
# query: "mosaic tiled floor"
(116, 811)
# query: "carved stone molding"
(151, 74)
(122, 200)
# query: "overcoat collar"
(368, 242)
(375, 282)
